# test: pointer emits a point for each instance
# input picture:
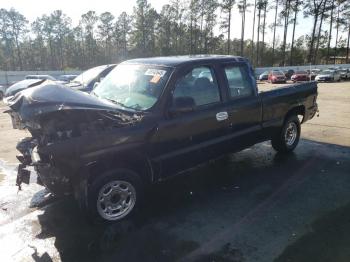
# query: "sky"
(32, 9)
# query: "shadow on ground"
(212, 195)
(329, 240)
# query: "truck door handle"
(221, 116)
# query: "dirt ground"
(255, 205)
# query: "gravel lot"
(255, 205)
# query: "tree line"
(51, 42)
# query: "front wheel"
(288, 137)
(114, 196)
(1, 95)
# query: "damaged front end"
(63, 124)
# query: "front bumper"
(47, 174)
(278, 81)
(324, 79)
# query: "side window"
(200, 84)
(238, 81)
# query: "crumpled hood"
(50, 97)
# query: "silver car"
(328, 76)
(345, 73)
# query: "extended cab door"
(243, 105)
(182, 139)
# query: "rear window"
(301, 72)
(238, 81)
(277, 73)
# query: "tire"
(1, 96)
(282, 143)
(122, 192)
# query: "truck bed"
(278, 101)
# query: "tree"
(226, 9)
(122, 32)
(347, 27)
(319, 36)
(330, 30)
(253, 31)
(313, 8)
(13, 27)
(106, 31)
(339, 21)
(88, 23)
(295, 8)
(144, 24)
(242, 6)
(260, 6)
(60, 24)
(274, 32)
(285, 16)
(264, 26)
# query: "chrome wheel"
(291, 134)
(116, 199)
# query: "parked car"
(314, 73)
(288, 73)
(277, 76)
(328, 75)
(300, 76)
(148, 120)
(22, 85)
(2, 92)
(345, 73)
(264, 76)
(47, 77)
(66, 78)
(86, 81)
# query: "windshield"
(86, 77)
(301, 73)
(327, 72)
(133, 86)
(277, 73)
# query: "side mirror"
(181, 105)
(95, 84)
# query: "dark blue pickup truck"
(148, 120)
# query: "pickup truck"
(147, 121)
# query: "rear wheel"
(1, 95)
(288, 137)
(114, 196)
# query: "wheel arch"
(296, 110)
(132, 160)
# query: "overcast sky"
(31, 9)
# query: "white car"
(345, 73)
(328, 76)
(2, 92)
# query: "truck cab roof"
(175, 61)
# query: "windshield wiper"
(118, 103)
